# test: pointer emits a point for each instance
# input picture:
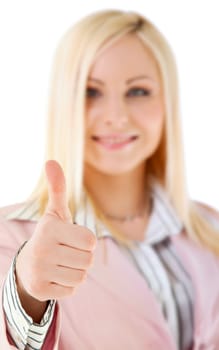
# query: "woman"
(109, 252)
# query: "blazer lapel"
(115, 273)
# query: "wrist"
(32, 306)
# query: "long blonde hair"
(65, 131)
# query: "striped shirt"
(155, 259)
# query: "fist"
(55, 261)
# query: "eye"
(92, 92)
(138, 92)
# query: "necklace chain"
(131, 217)
(126, 217)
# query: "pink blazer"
(114, 309)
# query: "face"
(124, 108)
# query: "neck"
(117, 195)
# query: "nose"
(116, 112)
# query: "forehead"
(128, 56)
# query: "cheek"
(149, 117)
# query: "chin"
(116, 169)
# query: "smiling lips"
(114, 142)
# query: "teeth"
(115, 140)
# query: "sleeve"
(12, 337)
(24, 332)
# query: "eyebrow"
(138, 78)
(128, 81)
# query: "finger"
(57, 198)
(61, 291)
(73, 236)
(55, 291)
(73, 258)
(68, 277)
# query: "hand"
(56, 258)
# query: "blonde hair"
(65, 131)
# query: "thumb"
(57, 198)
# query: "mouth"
(114, 142)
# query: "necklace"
(146, 208)
(126, 217)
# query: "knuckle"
(89, 259)
(82, 276)
(91, 241)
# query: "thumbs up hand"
(56, 258)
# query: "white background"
(29, 33)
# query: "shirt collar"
(163, 222)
